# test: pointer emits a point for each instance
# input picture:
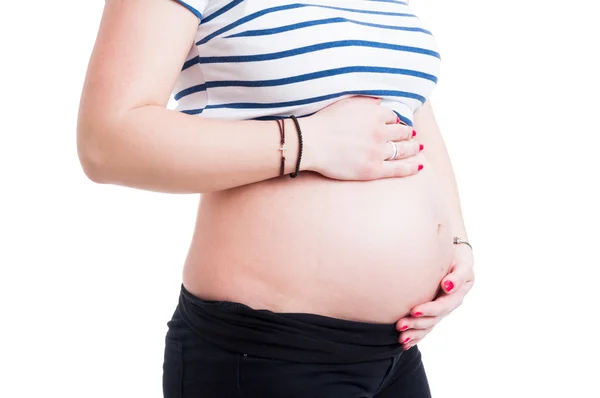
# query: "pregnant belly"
(364, 251)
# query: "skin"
(127, 137)
(455, 286)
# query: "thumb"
(451, 282)
(461, 273)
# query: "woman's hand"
(349, 141)
(454, 288)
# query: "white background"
(90, 274)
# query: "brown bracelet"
(281, 124)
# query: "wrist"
(462, 247)
(291, 147)
(310, 134)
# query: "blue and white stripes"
(257, 59)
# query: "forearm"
(428, 134)
(161, 150)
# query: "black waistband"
(286, 336)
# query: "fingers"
(412, 330)
(412, 323)
(403, 150)
(441, 306)
(389, 116)
(400, 168)
(410, 345)
(398, 132)
(411, 338)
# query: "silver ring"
(395, 150)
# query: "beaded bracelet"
(300, 146)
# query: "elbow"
(92, 162)
(93, 156)
(92, 166)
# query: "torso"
(365, 251)
(267, 58)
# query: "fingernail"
(403, 328)
(408, 348)
(397, 120)
(417, 314)
(448, 285)
(421, 147)
(406, 340)
(420, 167)
(414, 133)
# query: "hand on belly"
(365, 251)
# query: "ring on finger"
(395, 146)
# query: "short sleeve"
(197, 7)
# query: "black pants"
(199, 364)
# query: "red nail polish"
(403, 328)
(420, 167)
(414, 133)
(406, 340)
(448, 285)
(397, 120)
(421, 147)
(418, 314)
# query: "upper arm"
(139, 51)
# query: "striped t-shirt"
(261, 59)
